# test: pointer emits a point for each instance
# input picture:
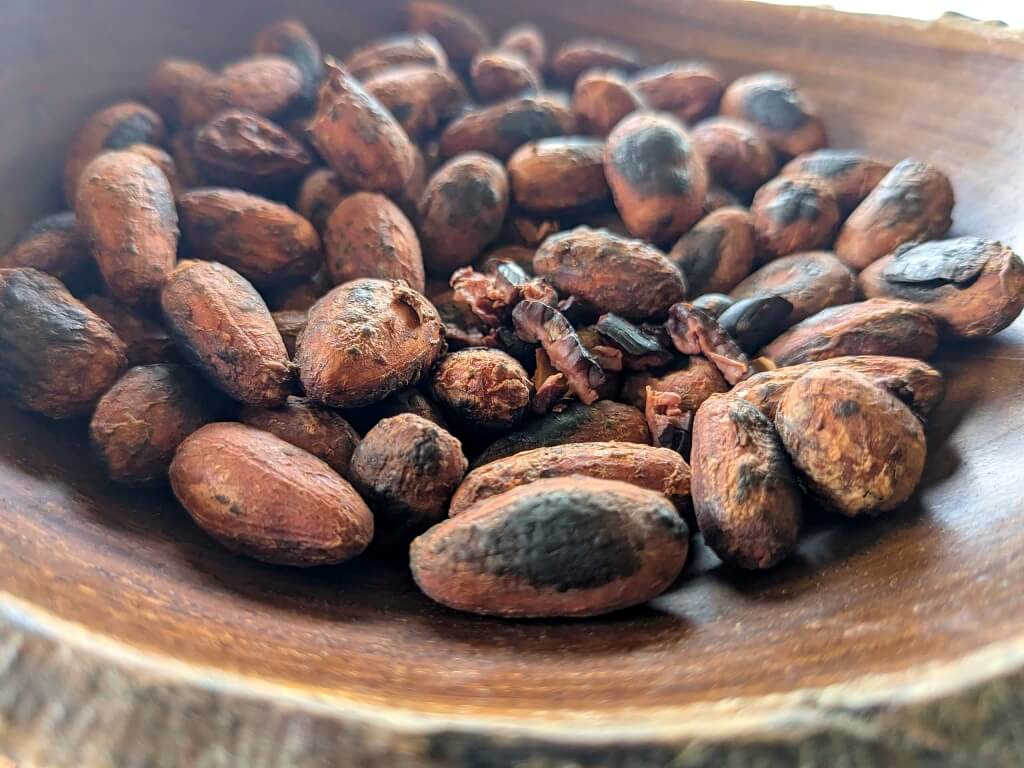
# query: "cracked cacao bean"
(973, 287)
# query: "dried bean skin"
(600, 99)
(851, 175)
(872, 327)
(54, 244)
(809, 281)
(502, 74)
(421, 98)
(263, 240)
(502, 128)
(221, 325)
(147, 342)
(713, 303)
(793, 214)
(265, 84)
(603, 421)
(115, 127)
(656, 469)
(242, 149)
(358, 138)
(293, 40)
(486, 388)
(319, 194)
(262, 497)
(735, 155)
(745, 495)
(528, 41)
(610, 273)
(771, 102)
(368, 236)
(694, 332)
(311, 427)
(694, 381)
(574, 57)
(125, 207)
(656, 176)
(752, 323)
(689, 90)
(406, 468)
(169, 82)
(460, 33)
(717, 253)
(56, 356)
(914, 201)
(462, 211)
(290, 323)
(560, 547)
(913, 382)
(858, 448)
(560, 174)
(140, 421)
(395, 51)
(365, 340)
(973, 287)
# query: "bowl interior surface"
(931, 583)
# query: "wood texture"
(129, 638)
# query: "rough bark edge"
(68, 698)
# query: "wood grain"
(129, 638)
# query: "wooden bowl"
(127, 637)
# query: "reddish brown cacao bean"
(872, 327)
(560, 547)
(689, 90)
(745, 495)
(792, 214)
(735, 155)
(717, 253)
(858, 448)
(600, 99)
(261, 496)
(809, 281)
(772, 103)
(973, 287)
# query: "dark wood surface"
(127, 637)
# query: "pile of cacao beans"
(533, 318)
